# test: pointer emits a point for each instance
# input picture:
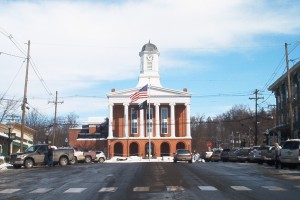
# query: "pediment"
(154, 91)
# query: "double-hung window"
(134, 121)
(149, 121)
(164, 120)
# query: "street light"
(47, 132)
(10, 135)
(66, 141)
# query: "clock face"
(149, 57)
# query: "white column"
(110, 131)
(157, 121)
(126, 119)
(188, 120)
(142, 123)
(172, 120)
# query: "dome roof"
(149, 47)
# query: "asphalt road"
(157, 181)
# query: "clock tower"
(149, 72)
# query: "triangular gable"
(153, 91)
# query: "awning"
(19, 144)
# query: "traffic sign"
(209, 144)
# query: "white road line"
(297, 186)
(207, 188)
(108, 189)
(74, 190)
(175, 188)
(141, 189)
(274, 188)
(41, 190)
(9, 191)
(240, 188)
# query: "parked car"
(183, 155)
(216, 155)
(263, 149)
(36, 155)
(270, 156)
(243, 154)
(254, 154)
(225, 155)
(206, 155)
(100, 156)
(78, 155)
(232, 157)
(290, 153)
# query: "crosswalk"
(148, 189)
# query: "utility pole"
(25, 98)
(256, 117)
(55, 123)
(290, 100)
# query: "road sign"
(209, 144)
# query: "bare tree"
(40, 123)
(7, 107)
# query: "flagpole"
(148, 124)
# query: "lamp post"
(47, 132)
(9, 126)
(66, 141)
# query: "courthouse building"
(164, 123)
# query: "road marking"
(74, 190)
(141, 189)
(9, 191)
(207, 188)
(297, 186)
(274, 188)
(175, 188)
(41, 190)
(240, 188)
(108, 189)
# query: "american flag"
(142, 93)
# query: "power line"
(8, 54)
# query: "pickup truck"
(37, 155)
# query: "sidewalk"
(118, 159)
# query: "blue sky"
(220, 50)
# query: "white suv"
(290, 153)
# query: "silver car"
(183, 155)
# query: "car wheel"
(190, 161)
(73, 161)
(88, 159)
(63, 161)
(28, 163)
(101, 160)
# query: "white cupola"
(149, 71)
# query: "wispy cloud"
(77, 43)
